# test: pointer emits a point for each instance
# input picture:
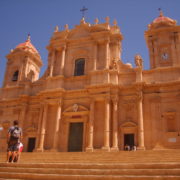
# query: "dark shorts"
(13, 145)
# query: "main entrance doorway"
(129, 140)
(31, 144)
(75, 142)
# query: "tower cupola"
(163, 41)
(23, 64)
(162, 21)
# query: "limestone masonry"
(88, 99)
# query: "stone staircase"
(138, 165)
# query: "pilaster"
(106, 49)
(57, 125)
(43, 128)
(52, 64)
(63, 54)
(91, 126)
(94, 56)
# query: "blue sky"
(39, 18)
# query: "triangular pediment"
(79, 32)
(31, 129)
(129, 124)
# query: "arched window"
(15, 76)
(79, 67)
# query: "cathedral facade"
(88, 99)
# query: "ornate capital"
(115, 99)
(139, 96)
(107, 99)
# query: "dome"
(162, 21)
(27, 45)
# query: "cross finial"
(83, 10)
(29, 37)
(160, 12)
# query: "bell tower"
(23, 64)
(163, 41)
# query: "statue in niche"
(138, 61)
(114, 65)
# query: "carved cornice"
(52, 92)
(115, 99)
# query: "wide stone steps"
(139, 165)
(92, 171)
(34, 176)
(115, 157)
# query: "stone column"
(107, 125)
(56, 130)
(43, 128)
(106, 54)
(52, 64)
(140, 122)
(91, 127)
(115, 125)
(95, 56)
(63, 53)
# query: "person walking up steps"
(14, 137)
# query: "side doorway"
(31, 144)
(128, 135)
(129, 140)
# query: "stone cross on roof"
(83, 10)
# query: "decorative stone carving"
(75, 107)
(82, 21)
(66, 27)
(115, 22)
(6, 124)
(56, 29)
(107, 19)
(96, 21)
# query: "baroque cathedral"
(88, 99)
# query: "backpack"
(16, 132)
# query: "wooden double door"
(75, 140)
